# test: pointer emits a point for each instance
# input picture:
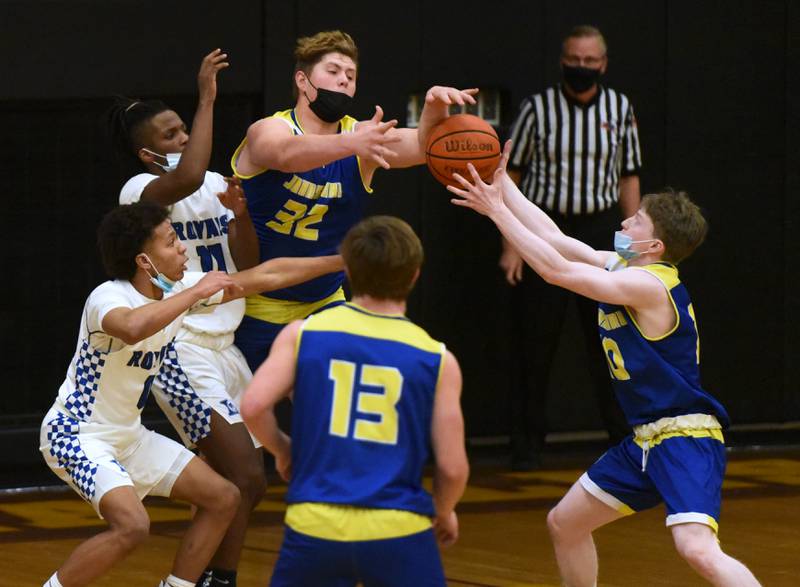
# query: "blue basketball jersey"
(305, 214)
(362, 408)
(657, 377)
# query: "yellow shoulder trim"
(283, 115)
(353, 319)
(345, 523)
(668, 276)
(348, 124)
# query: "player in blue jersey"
(649, 334)
(306, 170)
(93, 438)
(372, 396)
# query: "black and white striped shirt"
(571, 155)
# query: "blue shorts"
(393, 562)
(254, 338)
(684, 472)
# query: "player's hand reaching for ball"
(446, 528)
(482, 197)
(207, 76)
(449, 96)
(372, 139)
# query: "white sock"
(173, 581)
(53, 581)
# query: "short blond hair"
(310, 50)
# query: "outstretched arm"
(271, 144)
(190, 174)
(272, 382)
(133, 325)
(539, 223)
(282, 272)
(409, 150)
(630, 288)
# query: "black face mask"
(579, 79)
(329, 106)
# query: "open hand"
(448, 96)
(482, 197)
(233, 197)
(207, 76)
(372, 137)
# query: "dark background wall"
(713, 84)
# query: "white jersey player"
(204, 374)
(92, 437)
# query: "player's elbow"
(250, 409)
(453, 471)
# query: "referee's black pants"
(540, 310)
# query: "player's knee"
(132, 531)
(251, 483)
(555, 524)
(701, 555)
(227, 498)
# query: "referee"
(576, 155)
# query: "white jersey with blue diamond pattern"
(108, 381)
(201, 223)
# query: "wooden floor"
(503, 536)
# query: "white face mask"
(161, 281)
(172, 160)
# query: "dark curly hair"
(122, 234)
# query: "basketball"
(458, 140)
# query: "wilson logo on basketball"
(466, 146)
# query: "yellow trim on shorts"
(345, 523)
(286, 311)
(714, 433)
(687, 425)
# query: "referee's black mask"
(579, 79)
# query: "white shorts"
(194, 380)
(94, 458)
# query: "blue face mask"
(161, 281)
(172, 160)
(622, 245)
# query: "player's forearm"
(243, 242)
(537, 252)
(264, 426)
(301, 153)
(449, 483)
(190, 173)
(407, 151)
(144, 321)
(285, 272)
(531, 216)
(431, 115)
